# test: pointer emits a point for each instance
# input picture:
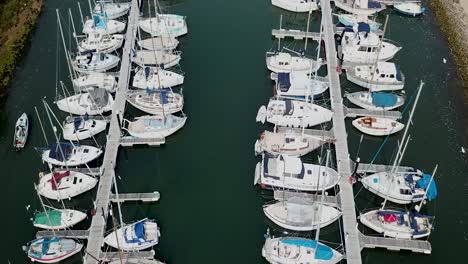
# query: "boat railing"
(392, 42)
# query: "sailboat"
(100, 24)
(52, 249)
(360, 7)
(136, 236)
(156, 101)
(111, 10)
(94, 102)
(364, 46)
(296, 250)
(293, 113)
(384, 76)
(410, 8)
(58, 219)
(163, 59)
(377, 126)
(67, 154)
(299, 214)
(165, 42)
(65, 184)
(94, 62)
(154, 126)
(21, 132)
(102, 43)
(87, 82)
(299, 84)
(82, 127)
(152, 78)
(351, 20)
(289, 142)
(285, 62)
(291, 173)
(164, 25)
(376, 100)
(299, 6)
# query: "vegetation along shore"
(17, 22)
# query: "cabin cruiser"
(382, 76)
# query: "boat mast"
(43, 208)
(418, 207)
(114, 227)
(91, 9)
(307, 30)
(81, 14)
(280, 25)
(317, 233)
(74, 30)
(397, 158)
(55, 133)
(67, 55)
(374, 68)
(42, 127)
(120, 217)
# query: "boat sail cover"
(322, 252)
(60, 151)
(426, 182)
(163, 93)
(54, 218)
(99, 21)
(384, 99)
(57, 177)
(284, 82)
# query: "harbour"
(189, 170)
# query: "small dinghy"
(164, 25)
(385, 76)
(299, 84)
(154, 126)
(95, 62)
(112, 10)
(296, 250)
(285, 62)
(364, 46)
(94, 102)
(377, 126)
(137, 236)
(350, 20)
(101, 43)
(291, 173)
(398, 223)
(94, 80)
(360, 7)
(162, 59)
(52, 250)
(57, 219)
(290, 142)
(298, 6)
(100, 25)
(410, 9)
(297, 214)
(167, 43)
(82, 127)
(156, 102)
(401, 187)
(65, 184)
(21, 132)
(376, 100)
(154, 78)
(294, 113)
(67, 154)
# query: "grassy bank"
(452, 27)
(17, 22)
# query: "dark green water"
(209, 210)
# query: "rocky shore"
(452, 16)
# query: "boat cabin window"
(369, 49)
(405, 191)
(86, 150)
(309, 172)
(382, 75)
(362, 48)
(392, 76)
(74, 180)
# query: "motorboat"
(82, 127)
(155, 78)
(21, 132)
(376, 100)
(65, 184)
(154, 126)
(132, 237)
(298, 6)
(290, 142)
(299, 85)
(94, 102)
(164, 25)
(285, 62)
(156, 101)
(95, 62)
(162, 59)
(161, 43)
(103, 43)
(93, 80)
(382, 76)
(52, 250)
(57, 219)
(377, 126)
(67, 154)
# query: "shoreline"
(15, 41)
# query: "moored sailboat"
(52, 250)
(290, 142)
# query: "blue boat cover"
(55, 152)
(147, 72)
(372, 4)
(363, 27)
(140, 230)
(322, 252)
(398, 73)
(424, 182)
(383, 99)
(283, 81)
(99, 22)
(45, 244)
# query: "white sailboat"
(162, 59)
(365, 47)
(154, 78)
(65, 184)
(156, 101)
(154, 126)
(299, 6)
(67, 154)
(94, 62)
(293, 113)
(136, 236)
(58, 218)
(295, 250)
(164, 25)
(285, 62)
(102, 25)
(103, 43)
(299, 84)
(299, 214)
(377, 126)
(52, 250)
(94, 102)
(87, 82)
(360, 7)
(82, 127)
(289, 142)
(384, 76)
(161, 43)
(112, 10)
(291, 173)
